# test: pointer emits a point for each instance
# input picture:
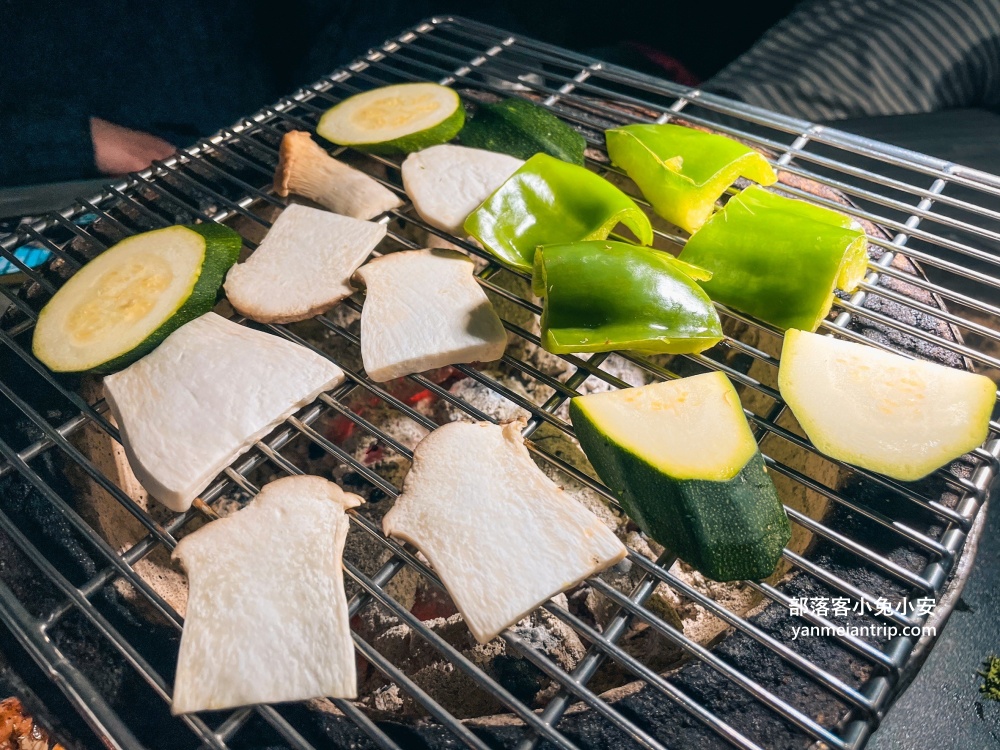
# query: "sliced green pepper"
(779, 259)
(548, 201)
(602, 295)
(681, 171)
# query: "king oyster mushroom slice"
(203, 397)
(500, 534)
(306, 169)
(303, 267)
(423, 309)
(267, 616)
(447, 183)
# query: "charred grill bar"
(755, 688)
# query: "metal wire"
(228, 176)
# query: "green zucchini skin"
(729, 531)
(522, 129)
(222, 250)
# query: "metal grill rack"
(941, 215)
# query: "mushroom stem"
(306, 169)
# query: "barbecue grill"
(931, 291)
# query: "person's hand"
(118, 150)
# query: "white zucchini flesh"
(447, 183)
(303, 267)
(423, 309)
(881, 411)
(203, 397)
(267, 617)
(306, 169)
(115, 302)
(500, 534)
(388, 113)
(689, 428)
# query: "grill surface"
(757, 688)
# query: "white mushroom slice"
(447, 183)
(202, 398)
(303, 267)
(305, 169)
(502, 537)
(267, 616)
(423, 309)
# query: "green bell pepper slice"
(602, 296)
(548, 201)
(681, 171)
(779, 259)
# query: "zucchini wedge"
(395, 119)
(125, 301)
(881, 411)
(682, 459)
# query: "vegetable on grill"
(682, 459)
(423, 309)
(881, 411)
(267, 617)
(522, 128)
(500, 534)
(548, 201)
(395, 119)
(205, 396)
(447, 183)
(778, 259)
(601, 296)
(306, 169)
(129, 298)
(681, 171)
(303, 267)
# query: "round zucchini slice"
(396, 119)
(125, 301)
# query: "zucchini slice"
(881, 411)
(522, 129)
(125, 301)
(395, 119)
(682, 459)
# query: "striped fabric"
(836, 59)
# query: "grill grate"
(935, 213)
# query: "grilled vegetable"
(272, 568)
(602, 295)
(681, 171)
(502, 537)
(128, 299)
(305, 169)
(447, 183)
(881, 411)
(395, 119)
(214, 372)
(682, 460)
(522, 129)
(778, 259)
(303, 267)
(548, 202)
(423, 309)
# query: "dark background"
(185, 68)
